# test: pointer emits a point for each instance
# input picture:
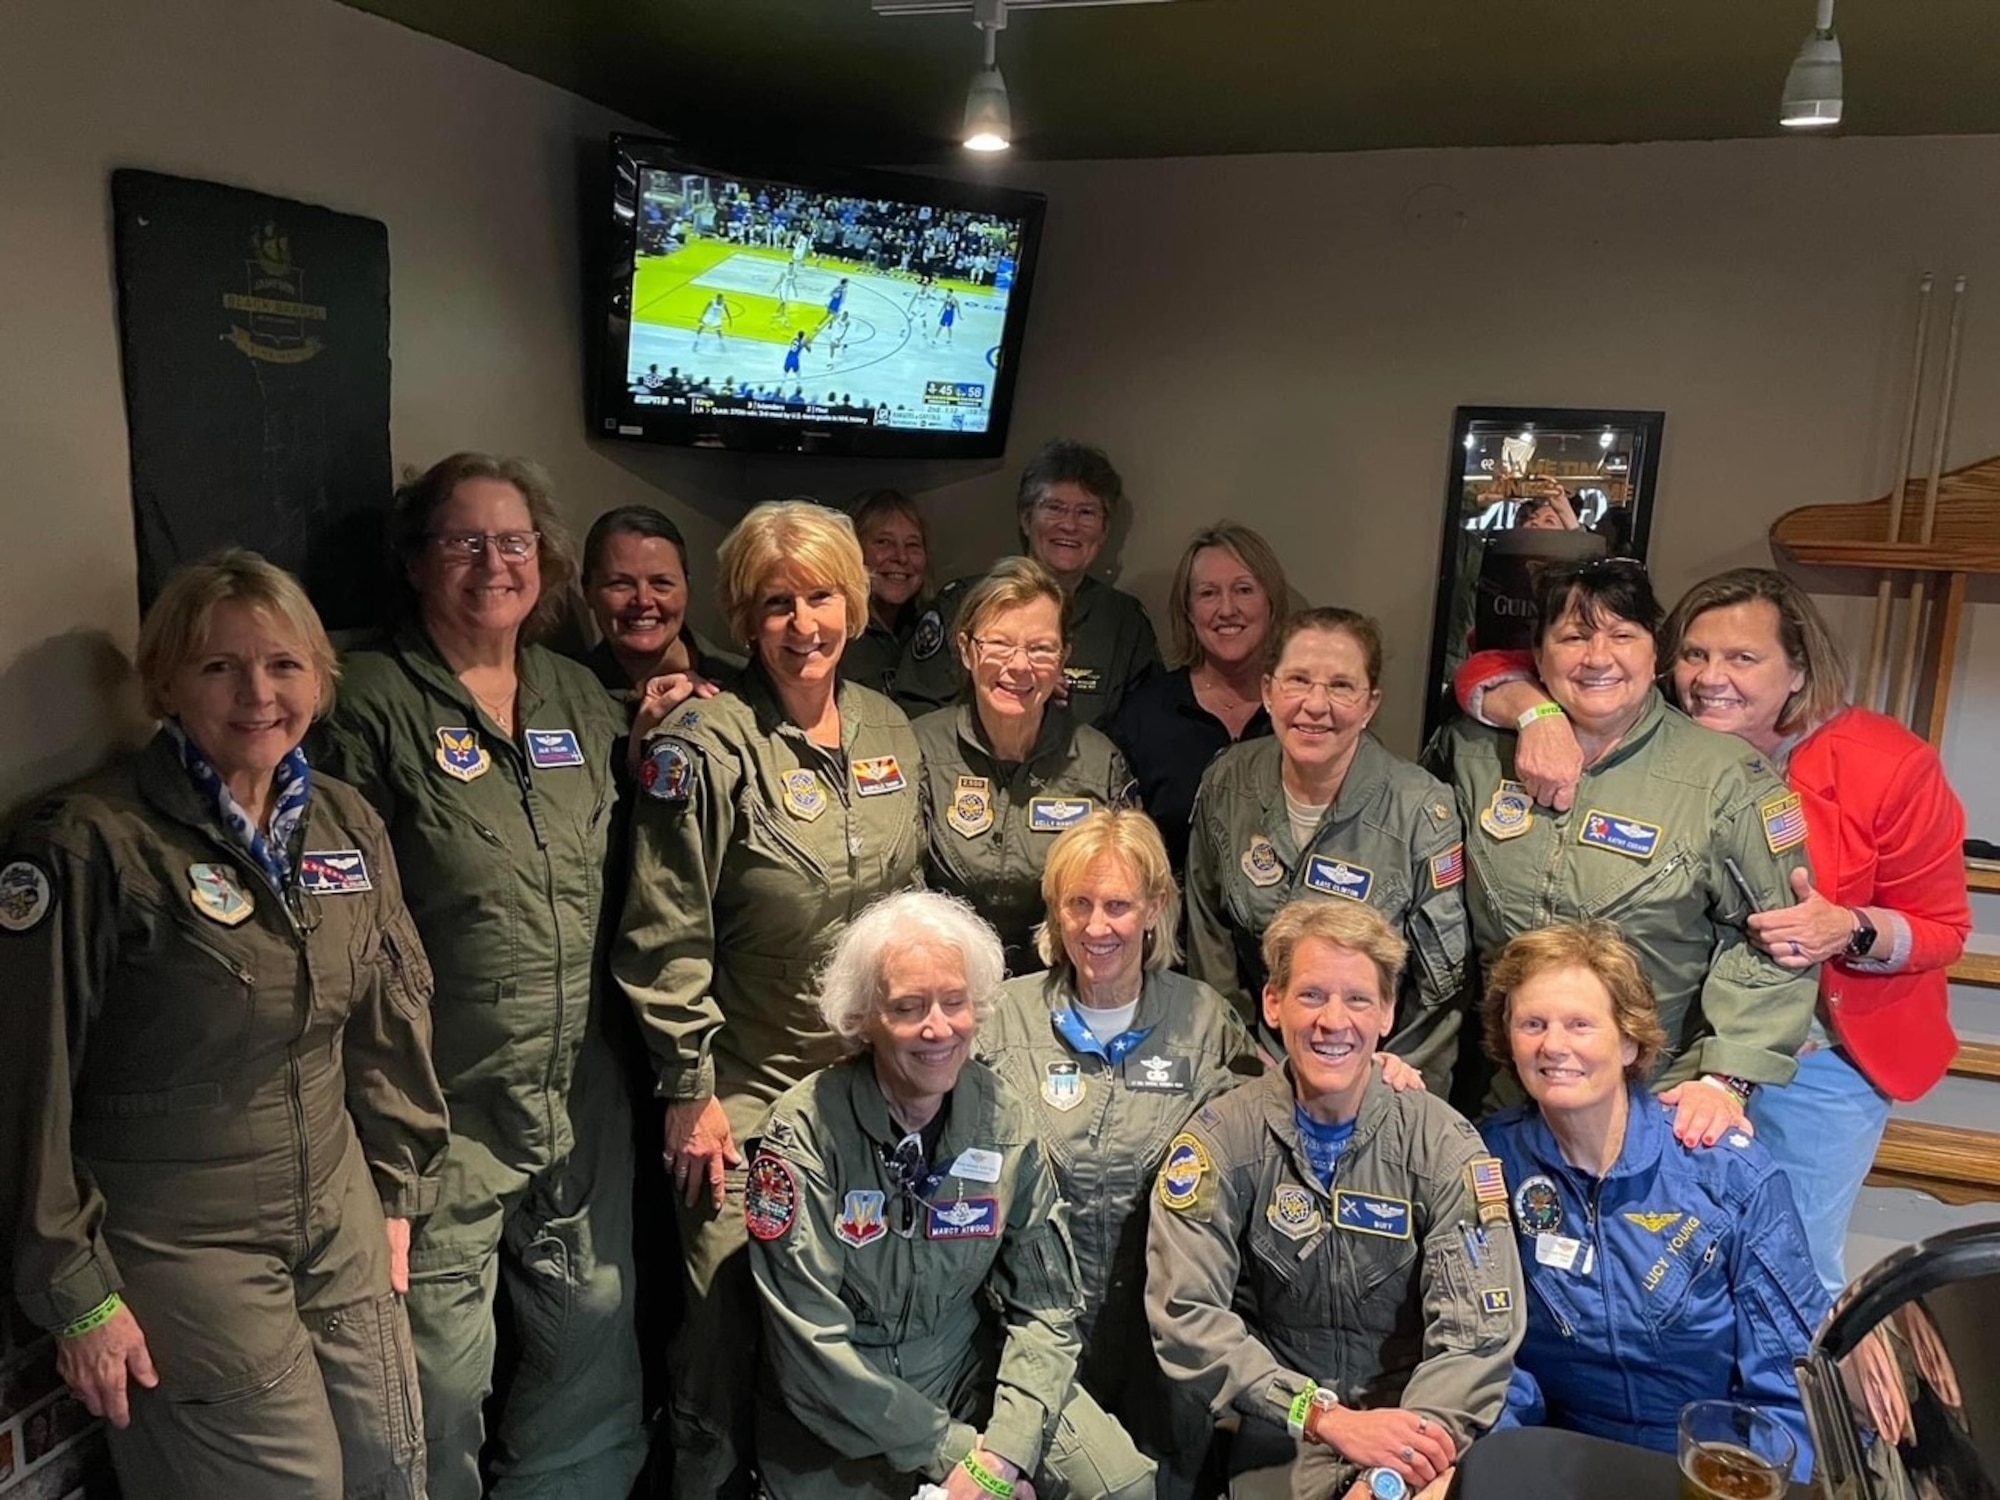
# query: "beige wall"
(1283, 340)
(474, 169)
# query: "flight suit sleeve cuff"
(959, 1440)
(1274, 1402)
(409, 1200)
(1737, 1060)
(72, 1296)
(688, 1085)
(1014, 1436)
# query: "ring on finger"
(1797, 951)
(1409, 1454)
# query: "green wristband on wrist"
(986, 1479)
(1539, 711)
(96, 1318)
(1295, 1419)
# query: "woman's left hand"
(1704, 1113)
(1398, 1074)
(399, 1255)
(1806, 934)
(960, 1485)
(659, 697)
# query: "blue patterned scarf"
(291, 789)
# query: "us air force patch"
(1293, 1212)
(1510, 813)
(805, 795)
(27, 894)
(1260, 863)
(460, 755)
(971, 807)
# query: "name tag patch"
(1054, 814)
(877, 776)
(1338, 878)
(552, 749)
(1784, 822)
(976, 1164)
(1158, 1075)
(1083, 679)
(461, 756)
(1627, 836)
(334, 872)
(860, 1222)
(1366, 1214)
(964, 1219)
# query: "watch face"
(1387, 1484)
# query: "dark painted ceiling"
(808, 79)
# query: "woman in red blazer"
(1885, 913)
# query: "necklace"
(502, 711)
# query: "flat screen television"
(825, 311)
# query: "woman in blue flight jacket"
(1657, 1273)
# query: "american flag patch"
(1784, 822)
(1448, 868)
(1489, 1183)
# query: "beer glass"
(1730, 1450)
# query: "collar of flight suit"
(1645, 729)
(971, 1110)
(1280, 1100)
(1365, 775)
(1055, 736)
(1154, 1004)
(424, 662)
(163, 782)
(1646, 1129)
(757, 690)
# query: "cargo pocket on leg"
(371, 1384)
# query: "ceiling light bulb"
(989, 123)
(1813, 86)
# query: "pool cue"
(1911, 647)
(1885, 589)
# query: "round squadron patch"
(770, 1198)
(668, 770)
(929, 636)
(1260, 863)
(1181, 1175)
(1537, 1207)
(27, 895)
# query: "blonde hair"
(1126, 834)
(1598, 950)
(1802, 633)
(1352, 925)
(1011, 583)
(176, 627)
(800, 535)
(1248, 548)
(423, 495)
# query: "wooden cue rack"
(1950, 1163)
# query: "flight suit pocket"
(370, 1368)
(764, 835)
(1686, 1273)
(406, 973)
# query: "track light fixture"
(989, 121)
(1813, 86)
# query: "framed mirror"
(1526, 486)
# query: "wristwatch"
(1863, 942)
(1387, 1484)
(1742, 1088)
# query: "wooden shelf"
(1907, 557)
(1977, 968)
(1977, 1060)
(1981, 880)
(1946, 1161)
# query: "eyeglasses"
(907, 1170)
(470, 546)
(1058, 512)
(1339, 692)
(994, 652)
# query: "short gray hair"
(850, 981)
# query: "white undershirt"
(1107, 1025)
(1304, 817)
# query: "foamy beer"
(1730, 1450)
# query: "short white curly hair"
(849, 986)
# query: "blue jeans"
(1823, 1128)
